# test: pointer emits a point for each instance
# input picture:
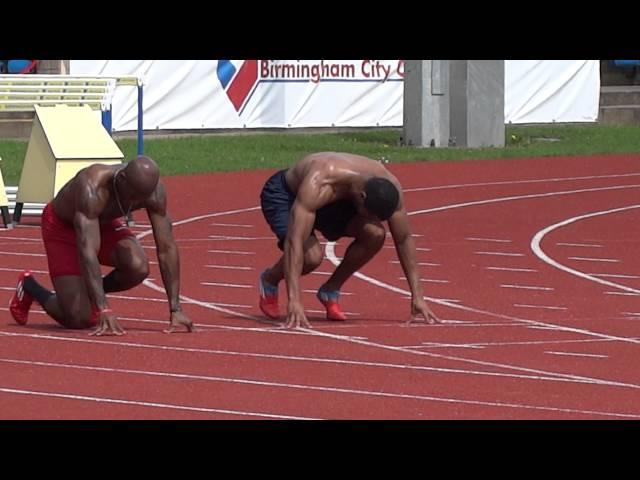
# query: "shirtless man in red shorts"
(83, 227)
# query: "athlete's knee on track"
(80, 317)
(138, 269)
(131, 262)
(374, 234)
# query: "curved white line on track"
(544, 180)
(519, 197)
(537, 249)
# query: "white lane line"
(423, 264)
(24, 239)
(612, 275)
(544, 180)
(546, 307)
(240, 225)
(443, 345)
(324, 312)
(228, 285)
(147, 404)
(232, 252)
(496, 240)
(519, 197)
(591, 355)
(622, 293)
(237, 237)
(510, 344)
(579, 245)
(6, 269)
(539, 327)
(502, 254)
(526, 287)
(438, 299)
(508, 269)
(589, 259)
(229, 267)
(23, 254)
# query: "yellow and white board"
(64, 140)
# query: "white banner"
(211, 94)
(545, 91)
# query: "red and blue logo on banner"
(238, 79)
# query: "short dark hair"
(381, 198)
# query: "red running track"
(532, 264)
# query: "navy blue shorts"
(276, 200)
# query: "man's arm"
(406, 249)
(301, 223)
(311, 196)
(168, 256)
(88, 207)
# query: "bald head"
(142, 175)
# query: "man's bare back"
(336, 172)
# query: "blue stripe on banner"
(225, 71)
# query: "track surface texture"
(533, 265)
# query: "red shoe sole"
(271, 310)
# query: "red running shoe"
(269, 298)
(330, 301)
(21, 301)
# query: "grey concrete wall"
(477, 103)
(426, 103)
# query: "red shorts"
(62, 247)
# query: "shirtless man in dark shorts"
(82, 228)
(340, 195)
